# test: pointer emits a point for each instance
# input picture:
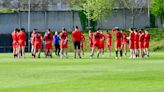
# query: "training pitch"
(82, 75)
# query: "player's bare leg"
(79, 53)
(75, 53)
(109, 51)
(147, 52)
(61, 53)
(66, 52)
(98, 53)
(39, 52)
(92, 52)
(116, 53)
(82, 51)
(23, 52)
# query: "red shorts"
(82, 45)
(117, 44)
(38, 46)
(48, 46)
(136, 45)
(64, 45)
(96, 44)
(21, 43)
(15, 44)
(131, 45)
(109, 45)
(91, 45)
(141, 45)
(146, 44)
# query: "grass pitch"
(82, 75)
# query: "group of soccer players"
(138, 42)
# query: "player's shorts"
(136, 45)
(96, 44)
(21, 43)
(141, 45)
(146, 44)
(117, 44)
(38, 46)
(82, 45)
(48, 46)
(77, 45)
(64, 45)
(109, 45)
(91, 45)
(15, 44)
(131, 45)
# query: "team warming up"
(137, 41)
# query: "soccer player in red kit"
(136, 43)
(102, 43)
(125, 42)
(96, 43)
(82, 44)
(32, 40)
(118, 41)
(15, 42)
(22, 42)
(48, 38)
(131, 42)
(90, 40)
(64, 43)
(37, 44)
(109, 42)
(146, 42)
(76, 39)
(141, 42)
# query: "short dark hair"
(76, 27)
(98, 28)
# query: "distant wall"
(122, 18)
(40, 20)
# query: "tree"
(93, 9)
(157, 9)
(135, 7)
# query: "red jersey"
(125, 40)
(63, 36)
(141, 41)
(15, 36)
(32, 38)
(22, 36)
(83, 37)
(132, 36)
(119, 36)
(97, 36)
(109, 39)
(102, 41)
(38, 38)
(136, 41)
(48, 38)
(147, 37)
(76, 35)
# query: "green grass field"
(82, 75)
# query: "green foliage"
(7, 10)
(97, 9)
(157, 9)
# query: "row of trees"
(98, 9)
